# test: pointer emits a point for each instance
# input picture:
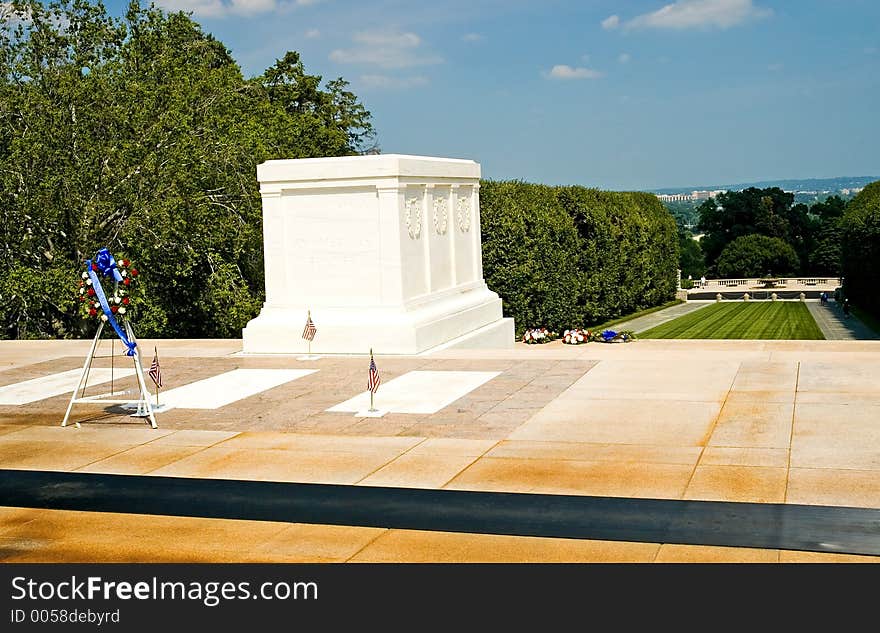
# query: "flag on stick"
(310, 329)
(156, 373)
(373, 380)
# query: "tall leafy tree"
(141, 134)
(860, 231)
(825, 255)
(769, 212)
(756, 256)
(690, 258)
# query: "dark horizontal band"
(757, 525)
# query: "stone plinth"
(384, 250)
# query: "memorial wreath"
(536, 336)
(120, 295)
(576, 336)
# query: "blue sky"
(637, 94)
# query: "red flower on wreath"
(126, 300)
(92, 312)
(91, 292)
(134, 272)
(114, 309)
(126, 281)
(94, 267)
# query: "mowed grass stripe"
(745, 320)
(710, 316)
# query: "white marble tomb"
(385, 252)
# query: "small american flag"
(155, 372)
(310, 329)
(374, 380)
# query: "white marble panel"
(418, 391)
(231, 386)
(55, 384)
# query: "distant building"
(674, 197)
(693, 196)
(705, 195)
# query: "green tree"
(141, 134)
(860, 229)
(756, 256)
(690, 255)
(824, 256)
(684, 212)
(769, 212)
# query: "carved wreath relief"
(413, 216)
(464, 214)
(441, 215)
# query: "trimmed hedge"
(860, 228)
(563, 257)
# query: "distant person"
(846, 307)
(703, 281)
(823, 297)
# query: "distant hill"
(818, 185)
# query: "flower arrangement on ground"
(537, 336)
(119, 294)
(610, 336)
(576, 336)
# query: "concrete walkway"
(757, 422)
(640, 324)
(836, 327)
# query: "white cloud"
(393, 83)
(624, 58)
(385, 49)
(472, 37)
(690, 14)
(565, 72)
(313, 34)
(223, 8)
(611, 22)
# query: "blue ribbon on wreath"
(608, 336)
(106, 266)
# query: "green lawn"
(752, 320)
(634, 315)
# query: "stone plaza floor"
(762, 422)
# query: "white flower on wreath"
(121, 310)
(103, 317)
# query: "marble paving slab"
(228, 387)
(424, 392)
(54, 385)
